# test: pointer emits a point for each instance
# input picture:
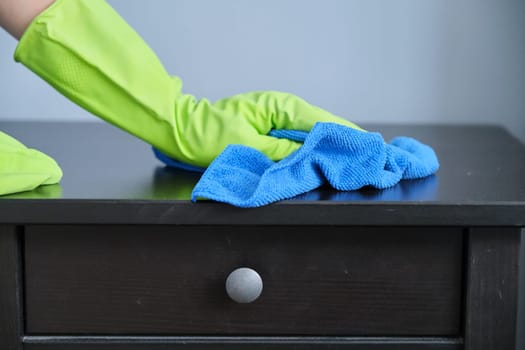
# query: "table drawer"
(171, 280)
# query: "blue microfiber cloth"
(346, 158)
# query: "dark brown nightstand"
(117, 257)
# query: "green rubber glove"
(24, 169)
(91, 55)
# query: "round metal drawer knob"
(244, 285)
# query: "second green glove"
(24, 169)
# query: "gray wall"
(370, 61)
(425, 61)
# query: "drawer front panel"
(171, 280)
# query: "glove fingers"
(22, 168)
(292, 112)
(268, 110)
(274, 148)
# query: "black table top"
(112, 177)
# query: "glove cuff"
(85, 50)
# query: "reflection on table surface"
(175, 184)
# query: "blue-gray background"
(424, 61)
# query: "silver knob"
(244, 285)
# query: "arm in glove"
(91, 55)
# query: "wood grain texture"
(10, 290)
(492, 288)
(170, 280)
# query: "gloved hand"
(91, 55)
(24, 169)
